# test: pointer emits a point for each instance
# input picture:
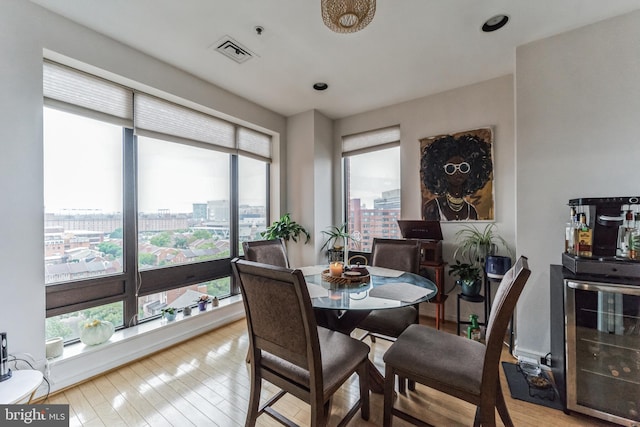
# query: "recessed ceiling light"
(495, 23)
(320, 86)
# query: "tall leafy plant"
(337, 237)
(286, 229)
(475, 245)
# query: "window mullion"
(130, 237)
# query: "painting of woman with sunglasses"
(456, 176)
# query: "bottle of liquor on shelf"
(570, 233)
(584, 239)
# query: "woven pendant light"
(347, 16)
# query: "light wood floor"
(205, 382)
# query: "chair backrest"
(279, 314)
(398, 254)
(273, 252)
(502, 308)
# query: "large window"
(83, 200)
(145, 216)
(372, 181)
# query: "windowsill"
(80, 362)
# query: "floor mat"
(520, 389)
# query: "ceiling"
(412, 48)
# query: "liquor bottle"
(570, 233)
(473, 330)
(585, 238)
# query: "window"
(252, 198)
(372, 180)
(183, 204)
(139, 217)
(82, 197)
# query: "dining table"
(341, 303)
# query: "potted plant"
(337, 239)
(286, 229)
(475, 245)
(169, 313)
(468, 277)
(202, 302)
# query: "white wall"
(26, 30)
(489, 103)
(309, 190)
(578, 135)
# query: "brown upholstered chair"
(456, 365)
(290, 351)
(397, 254)
(272, 252)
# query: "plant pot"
(470, 289)
(169, 316)
(202, 306)
(186, 311)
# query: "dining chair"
(272, 252)
(397, 254)
(289, 350)
(456, 365)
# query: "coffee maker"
(606, 219)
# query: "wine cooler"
(602, 366)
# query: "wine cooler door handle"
(601, 287)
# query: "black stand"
(476, 299)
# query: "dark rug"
(520, 389)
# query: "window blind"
(77, 92)
(372, 140)
(254, 144)
(157, 118)
(81, 93)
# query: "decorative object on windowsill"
(186, 311)
(54, 347)
(215, 302)
(202, 302)
(468, 278)
(347, 16)
(95, 332)
(337, 240)
(169, 313)
(286, 229)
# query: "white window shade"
(157, 118)
(254, 144)
(84, 94)
(371, 140)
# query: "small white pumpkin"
(96, 332)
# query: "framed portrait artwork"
(456, 176)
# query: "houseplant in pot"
(337, 240)
(286, 229)
(475, 244)
(468, 277)
(169, 313)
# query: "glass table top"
(385, 289)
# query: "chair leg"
(363, 377)
(501, 405)
(254, 398)
(402, 385)
(411, 385)
(389, 383)
(319, 415)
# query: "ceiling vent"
(232, 49)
